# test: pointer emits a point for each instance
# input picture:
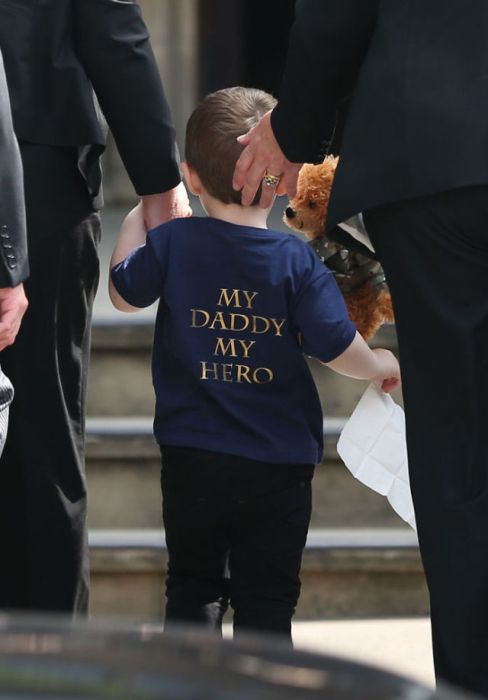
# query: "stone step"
(123, 467)
(120, 372)
(346, 573)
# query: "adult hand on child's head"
(263, 156)
(162, 207)
(13, 305)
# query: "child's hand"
(389, 376)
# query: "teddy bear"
(360, 278)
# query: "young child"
(238, 417)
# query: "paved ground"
(400, 646)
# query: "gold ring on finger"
(271, 180)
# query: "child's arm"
(132, 234)
(361, 362)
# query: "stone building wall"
(173, 25)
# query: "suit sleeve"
(328, 42)
(14, 267)
(114, 47)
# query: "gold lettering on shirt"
(246, 346)
(234, 298)
(218, 319)
(230, 373)
(227, 299)
(262, 375)
(278, 325)
(227, 373)
(257, 325)
(231, 346)
(243, 374)
(238, 322)
(235, 322)
(207, 371)
(249, 297)
(260, 324)
(195, 316)
(226, 348)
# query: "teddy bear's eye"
(312, 204)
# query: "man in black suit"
(13, 244)
(14, 267)
(412, 81)
(56, 53)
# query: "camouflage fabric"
(350, 269)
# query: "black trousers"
(235, 531)
(435, 254)
(43, 541)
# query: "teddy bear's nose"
(290, 213)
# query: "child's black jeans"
(235, 532)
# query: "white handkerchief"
(374, 449)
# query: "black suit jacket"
(415, 76)
(13, 247)
(56, 51)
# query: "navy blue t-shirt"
(238, 308)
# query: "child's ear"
(191, 179)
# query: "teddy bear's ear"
(329, 164)
(331, 160)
